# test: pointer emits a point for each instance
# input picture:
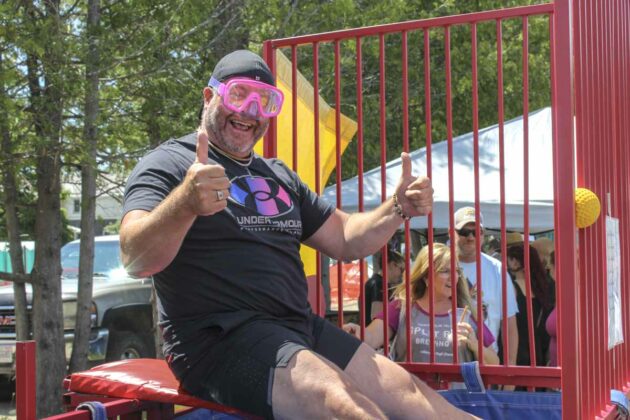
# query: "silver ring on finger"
(220, 195)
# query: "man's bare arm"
(149, 241)
(350, 236)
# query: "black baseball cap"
(241, 63)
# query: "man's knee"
(310, 386)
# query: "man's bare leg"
(398, 393)
(311, 387)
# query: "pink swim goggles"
(250, 97)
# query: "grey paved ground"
(7, 410)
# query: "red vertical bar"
(504, 284)
(592, 180)
(584, 29)
(475, 116)
(528, 285)
(618, 365)
(600, 158)
(294, 112)
(427, 119)
(625, 116)
(318, 188)
(563, 197)
(270, 141)
(618, 12)
(594, 175)
(615, 376)
(451, 199)
(583, 113)
(405, 92)
(612, 172)
(623, 69)
(383, 138)
(405, 106)
(25, 380)
(359, 73)
(338, 173)
(554, 152)
(590, 251)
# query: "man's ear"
(208, 93)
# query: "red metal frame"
(583, 88)
(505, 374)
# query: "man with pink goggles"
(248, 96)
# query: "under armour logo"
(262, 195)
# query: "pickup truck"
(121, 316)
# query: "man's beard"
(211, 118)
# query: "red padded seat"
(142, 379)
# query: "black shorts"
(243, 362)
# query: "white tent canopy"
(540, 176)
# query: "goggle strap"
(214, 83)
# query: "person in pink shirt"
(443, 283)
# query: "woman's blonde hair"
(419, 277)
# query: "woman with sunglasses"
(420, 315)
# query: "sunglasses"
(467, 232)
(249, 96)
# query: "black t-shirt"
(240, 264)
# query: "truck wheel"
(7, 388)
(128, 345)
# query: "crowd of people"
(528, 286)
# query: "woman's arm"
(373, 333)
(490, 357)
(467, 336)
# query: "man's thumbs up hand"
(414, 194)
(207, 187)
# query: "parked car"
(121, 316)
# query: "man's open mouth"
(241, 125)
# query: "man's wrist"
(398, 208)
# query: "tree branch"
(16, 278)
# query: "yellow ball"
(587, 207)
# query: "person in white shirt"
(466, 241)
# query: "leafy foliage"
(157, 55)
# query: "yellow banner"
(306, 136)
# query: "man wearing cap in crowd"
(466, 241)
(219, 228)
